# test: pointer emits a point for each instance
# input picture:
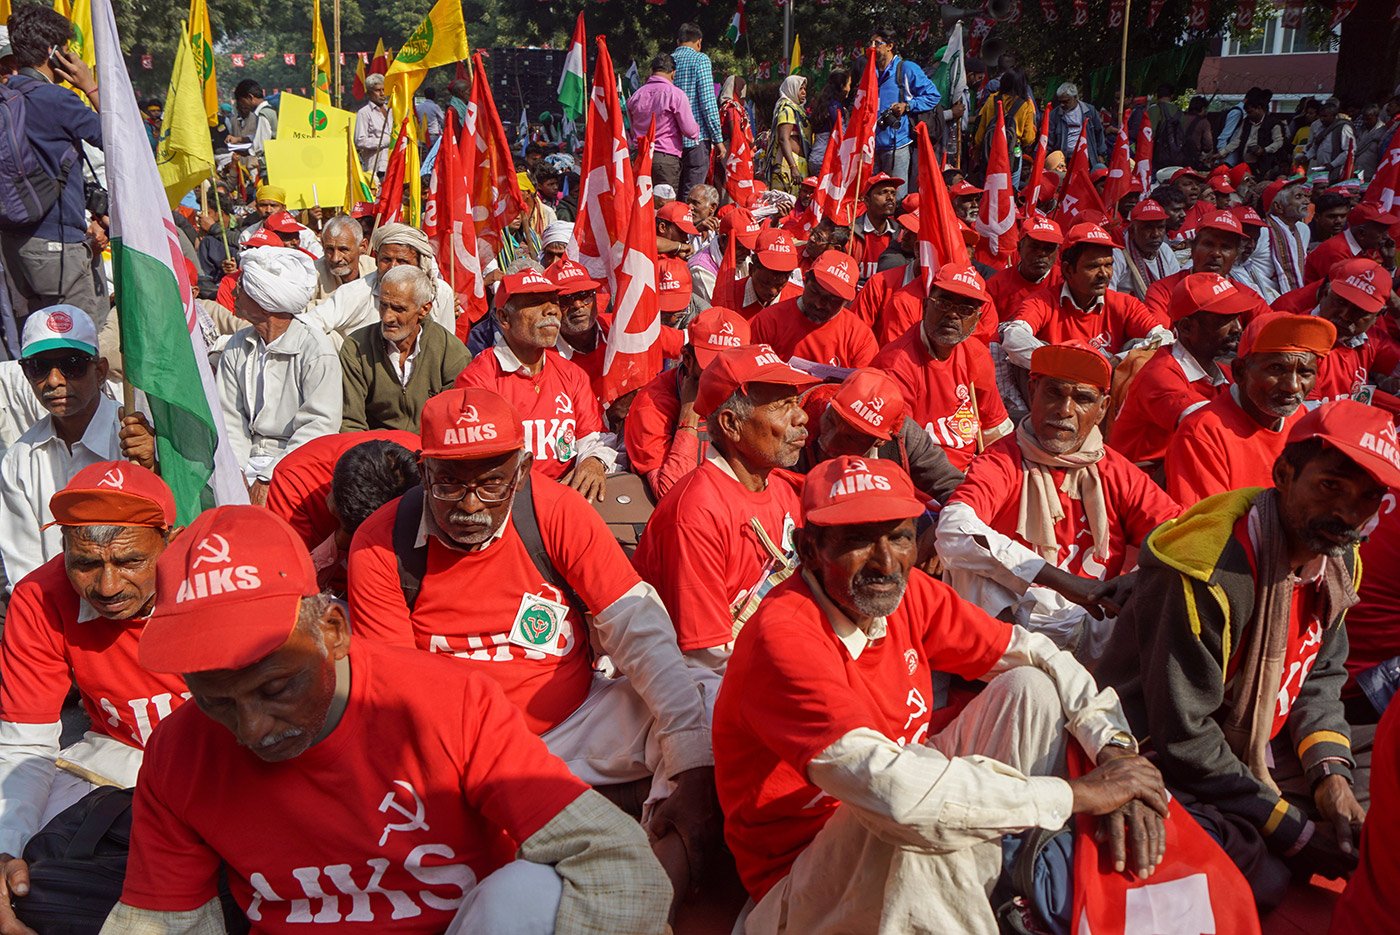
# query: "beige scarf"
(1249, 720)
(1040, 507)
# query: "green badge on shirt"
(542, 625)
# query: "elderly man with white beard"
(279, 380)
(346, 257)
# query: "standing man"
(374, 128)
(254, 120)
(696, 77)
(661, 106)
(48, 260)
(1073, 117)
(904, 90)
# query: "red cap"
(1285, 333)
(1095, 175)
(1363, 433)
(870, 402)
(714, 330)
(776, 251)
(114, 493)
(837, 273)
(1039, 227)
(1088, 233)
(570, 277)
(964, 187)
(262, 237)
(678, 213)
(673, 285)
(909, 204)
(363, 209)
(810, 182)
(879, 178)
(1239, 173)
(227, 592)
(282, 222)
(909, 222)
(1271, 191)
(1247, 217)
(961, 280)
(1049, 184)
(742, 225)
(847, 491)
(526, 282)
(1362, 282)
(1367, 213)
(1220, 184)
(1219, 170)
(1188, 173)
(1147, 210)
(732, 369)
(469, 424)
(1221, 221)
(1208, 292)
(1073, 362)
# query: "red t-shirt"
(703, 557)
(1346, 369)
(556, 405)
(1373, 628)
(650, 430)
(790, 290)
(940, 393)
(427, 785)
(302, 480)
(1159, 296)
(1220, 447)
(1119, 318)
(469, 601)
(1300, 301)
(1373, 892)
(866, 249)
(871, 297)
(1009, 288)
(1156, 399)
(592, 362)
(1327, 254)
(842, 341)
(905, 308)
(1134, 503)
(45, 650)
(792, 690)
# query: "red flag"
(1120, 177)
(389, 208)
(940, 234)
(380, 63)
(1200, 13)
(1080, 194)
(633, 354)
(1032, 194)
(357, 88)
(738, 165)
(997, 213)
(1081, 14)
(491, 168)
(855, 152)
(1339, 13)
(447, 220)
(1244, 15)
(1350, 168)
(1154, 10)
(727, 293)
(1293, 14)
(605, 203)
(1384, 190)
(1049, 11)
(1115, 13)
(816, 207)
(460, 72)
(1144, 157)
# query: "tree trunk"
(1368, 59)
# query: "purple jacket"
(661, 100)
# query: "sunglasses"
(72, 366)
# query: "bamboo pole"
(1123, 56)
(335, 27)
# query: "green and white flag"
(573, 91)
(950, 74)
(162, 346)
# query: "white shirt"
(356, 304)
(403, 368)
(19, 407)
(277, 396)
(1161, 266)
(35, 468)
(374, 131)
(1268, 273)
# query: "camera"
(889, 119)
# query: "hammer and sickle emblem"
(212, 549)
(564, 404)
(415, 818)
(113, 478)
(468, 415)
(856, 466)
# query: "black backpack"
(1008, 127)
(27, 191)
(1168, 137)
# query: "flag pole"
(218, 206)
(335, 27)
(1123, 56)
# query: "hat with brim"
(1363, 433)
(848, 491)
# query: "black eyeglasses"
(72, 366)
(490, 493)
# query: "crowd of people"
(889, 583)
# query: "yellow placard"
(294, 119)
(312, 171)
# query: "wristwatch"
(1123, 739)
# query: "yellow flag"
(295, 119)
(185, 154)
(796, 55)
(81, 45)
(321, 56)
(61, 6)
(4, 11)
(357, 184)
(440, 39)
(311, 172)
(201, 42)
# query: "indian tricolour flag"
(162, 346)
(573, 90)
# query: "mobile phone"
(54, 61)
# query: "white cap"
(557, 232)
(663, 192)
(56, 328)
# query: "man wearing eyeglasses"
(512, 572)
(83, 425)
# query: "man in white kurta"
(1276, 263)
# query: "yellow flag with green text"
(81, 45)
(440, 39)
(185, 154)
(201, 41)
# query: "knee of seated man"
(1027, 689)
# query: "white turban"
(404, 236)
(280, 279)
(557, 232)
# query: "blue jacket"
(917, 91)
(1059, 135)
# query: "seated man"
(77, 621)
(1234, 631)
(345, 256)
(704, 265)
(1145, 257)
(876, 226)
(1351, 298)
(1084, 308)
(874, 292)
(1364, 235)
(278, 776)
(666, 439)
(720, 534)
(1233, 440)
(1280, 255)
(583, 327)
(356, 304)
(947, 379)
(770, 274)
(392, 367)
(1215, 249)
(847, 810)
(1183, 377)
(272, 203)
(1037, 266)
(83, 426)
(564, 431)
(864, 416)
(817, 325)
(279, 380)
(1040, 530)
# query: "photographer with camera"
(906, 93)
(43, 214)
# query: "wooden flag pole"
(335, 27)
(1123, 56)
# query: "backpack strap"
(105, 812)
(527, 527)
(412, 560)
